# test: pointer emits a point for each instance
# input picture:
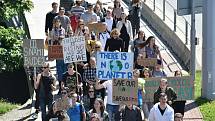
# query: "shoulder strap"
(80, 106)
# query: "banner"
(55, 52)
(114, 65)
(74, 49)
(183, 86)
(125, 91)
(33, 50)
(147, 62)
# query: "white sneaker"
(35, 116)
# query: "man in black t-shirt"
(72, 79)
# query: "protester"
(46, 84)
(89, 16)
(135, 14)
(161, 111)
(152, 50)
(138, 45)
(77, 10)
(72, 79)
(117, 11)
(111, 107)
(98, 12)
(164, 88)
(124, 25)
(137, 62)
(77, 111)
(178, 73)
(98, 48)
(103, 9)
(57, 33)
(158, 72)
(95, 117)
(99, 108)
(49, 18)
(89, 74)
(114, 42)
(109, 20)
(104, 35)
(89, 98)
(81, 29)
(65, 21)
(129, 112)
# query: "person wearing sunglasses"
(89, 98)
(46, 83)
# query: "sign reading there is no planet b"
(114, 65)
(33, 50)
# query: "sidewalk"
(192, 112)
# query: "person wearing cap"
(49, 18)
(77, 10)
(89, 16)
(169, 91)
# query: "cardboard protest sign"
(96, 27)
(62, 104)
(147, 62)
(183, 86)
(125, 91)
(33, 50)
(114, 65)
(55, 52)
(74, 49)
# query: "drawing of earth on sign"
(115, 65)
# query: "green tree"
(10, 8)
(11, 57)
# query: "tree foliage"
(10, 8)
(11, 57)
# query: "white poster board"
(74, 49)
(114, 65)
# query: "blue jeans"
(112, 110)
(61, 68)
(43, 102)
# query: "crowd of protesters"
(80, 91)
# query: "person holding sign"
(111, 107)
(161, 111)
(164, 88)
(46, 84)
(114, 43)
(72, 80)
(104, 35)
(152, 50)
(81, 29)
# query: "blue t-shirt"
(75, 111)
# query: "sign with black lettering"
(183, 86)
(74, 49)
(33, 50)
(55, 52)
(125, 91)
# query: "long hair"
(102, 106)
(155, 47)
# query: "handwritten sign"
(96, 27)
(125, 91)
(33, 50)
(114, 65)
(55, 52)
(147, 62)
(182, 85)
(74, 49)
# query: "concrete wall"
(168, 37)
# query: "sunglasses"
(81, 24)
(63, 93)
(45, 67)
(91, 91)
(97, 47)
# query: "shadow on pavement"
(26, 117)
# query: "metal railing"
(168, 13)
